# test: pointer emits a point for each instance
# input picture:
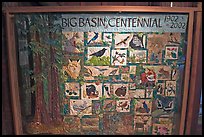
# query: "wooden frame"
(12, 54)
(196, 73)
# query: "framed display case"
(100, 70)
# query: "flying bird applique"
(123, 41)
(101, 69)
(113, 72)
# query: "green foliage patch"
(98, 61)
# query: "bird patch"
(98, 56)
(109, 105)
(119, 57)
(171, 52)
(80, 107)
(94, 38)
(143, 106)
(107, 38)
(122, 40)
(123, 106)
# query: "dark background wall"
(7, 121)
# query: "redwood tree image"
(45, 46)
(41, 114)
(53, 83)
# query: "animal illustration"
(113, 72)
(72, 69)
(121, 91)
(124, 105)
(148, 79)
(101, 69)
(149, 92)
(87, 71)
(107, 90)
(168, 54)
(123, 41)
(165, 74)
(91, 71)
(151, 75)
(70, 45)
(91, 91)
(136, 42)
(143, 78)
(99, 53)
(159, 104)
(145, 107)
(71, 89)
(80, 108)
(119, 57)
(170, 89)
(109, 105)
(173, 38)
(171, 52)
(119, 54)
(174, 71)
(165, 104)
(169, 107)
(116, 59)
(94, 38)
(160, 88)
